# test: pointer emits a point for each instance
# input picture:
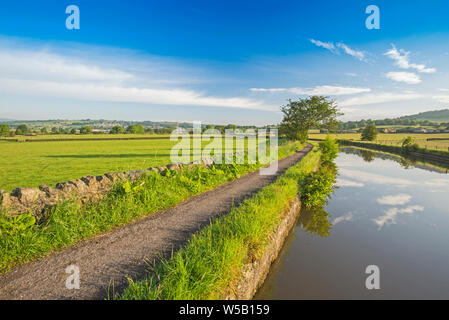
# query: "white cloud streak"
(334, 48)
(402, 60)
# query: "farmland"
(395, 139)
(32, 164)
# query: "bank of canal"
(386, 212)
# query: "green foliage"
(369, 133)
(4, 130)
(22, 129)
(316, 221)
(16, 225)
(408, 144)
(317, 186)
(86, 130)
(302, 115)
(136, 128)
(329, 149)
(117, 130)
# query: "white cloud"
(42, 73)
(356, 54)
(326, 45)
(380, 97)
(390, 216)
(407, 77)
(402, 60)
(318, 90)
(396, 200)
(360, 55)
(347, 217)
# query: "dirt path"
(125, 251)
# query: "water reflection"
(388, 211)
(315, 221)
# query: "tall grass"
(70, 222)
(213, 259)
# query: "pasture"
(30, 164)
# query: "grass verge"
(213, 258)
(69, 222)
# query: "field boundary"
(38, 200)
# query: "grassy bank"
(21, 240)
(213, 259)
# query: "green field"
(395, 139)
(30, 164)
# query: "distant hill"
(434, 116)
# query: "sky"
(220, 61)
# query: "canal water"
(386, 211)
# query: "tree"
(302, 115)
(4, 130)
(369, 133)
(44, 130)
(73, 131)
(86, 130)
(22, 129)
(136, 128)
(117, 130)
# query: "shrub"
(329, 149)
(317, 186)
(409, 144)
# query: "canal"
(386, 211)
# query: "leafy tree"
(117, 130)
(369, 133)
(302, 115)
(54, 130)
(22, 129)
(5, 130)
(73, 131)
(44, 130)
(86, 130)
(136, 128)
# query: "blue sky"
(220, 61)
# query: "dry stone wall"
(38, 200)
